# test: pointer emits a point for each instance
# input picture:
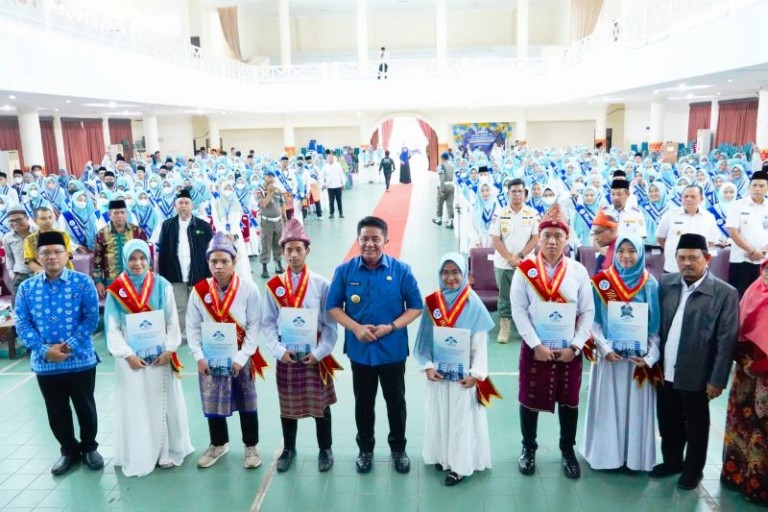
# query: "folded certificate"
(219, 347)
(298, 330)
(555, 323)
(628, 328)
(145, 333)
(451, 352)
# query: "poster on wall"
(481, 135)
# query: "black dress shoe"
(689, 482)
(279, 269)
(364, 462)
(665, 469)
(94, 460)
(571, 466)
(527, 461)
(402, 462)
(64, 464)
(452, 479)
(325, 460)
(285, 460)
(341, 215)
(264, 272)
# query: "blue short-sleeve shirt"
(375, 296)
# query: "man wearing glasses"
(13, 241)
(374, 297)
(56, 313)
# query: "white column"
(657, 122)
(362, 32)
(521, 126)
(105, 131)
(522, 28)
(151, 133)
(285, 32)
(31, 137)
(289, 137)
(714, 116)
(761, 138)
(214, 135)
(58, 135)
(441, 31)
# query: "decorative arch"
(427, 126)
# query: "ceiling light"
(55, 110)
(11, 97)
(7, 107)
(729, 80)
(112, 104)
(69, 101)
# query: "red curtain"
(375, 139)
(94, 136)
(737, 122)
(386, 132)
(431, 136)
(10, 138)
(75, 145)
(120, 133)
(698, 118)
(50, 155)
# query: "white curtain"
(586, 14)
(229, 27)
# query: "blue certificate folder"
(555, 324)
(298, 330)
(219, 347)
(145, 334)
(628, 328)
(451, 352)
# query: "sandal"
(452, 479)
(439, 467)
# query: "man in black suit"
(699, 330)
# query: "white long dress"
(151, 425)
(222, 221)
(455, 423)
(621, 417)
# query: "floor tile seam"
(16, 386)
(261, 493)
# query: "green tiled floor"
(28, 448)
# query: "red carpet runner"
(393, 208)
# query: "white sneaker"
(252, 457)
(320, 218)
(212, 455)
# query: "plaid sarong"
(301, 392)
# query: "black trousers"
(683, 425)
(58, 391)
(387, 178)
(365, 383)
(742, 275)
(318, 209)
(249, 426)
(335, 193)
(322, 427)
(569, 419)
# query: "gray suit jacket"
(709, 333)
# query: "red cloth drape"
(375, 139)
(698, 118)
(386, 132)
(737, 122)
(75, 145)
(50, 155)
(431, 136)
(10, 138)
(120, 133)
(94, 136)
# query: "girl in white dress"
(455, 424)
(227, 212)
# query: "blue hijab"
(474, 317)
(484, 209)
(87, 218)
(631, 276)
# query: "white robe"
(455, 423)
(151, 425)
(621, 417)
(220, 221)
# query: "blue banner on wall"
(481, 135)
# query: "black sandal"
(439, 467)
(452, 479)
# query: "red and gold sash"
(219, 311)
(444, 317)
(549, 290)
(281, 289)
(610, 286)
(125, 294)
(654, 375)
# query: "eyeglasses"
(48, 254)
(374, 240)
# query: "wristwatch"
(394, 327)
(576, 350)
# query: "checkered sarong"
(301, 392)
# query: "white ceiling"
(346, 7)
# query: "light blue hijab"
(474, 317)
